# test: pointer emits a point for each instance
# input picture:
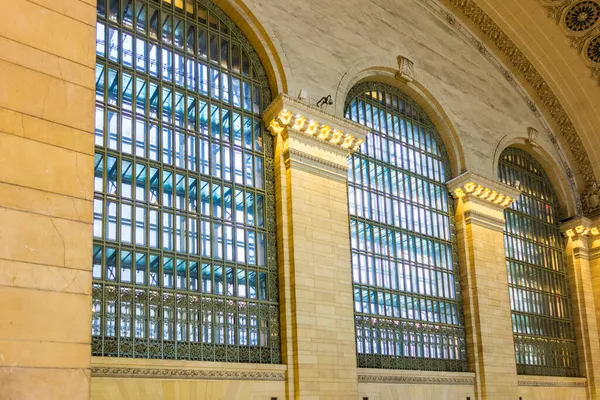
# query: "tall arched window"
(537, 272)
(183, 260)
(408, 311)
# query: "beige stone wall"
(382, 391)
(584, 308)
(552, 393)
(594, 253)
(168, 389)
(46, 165)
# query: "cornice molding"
(482, 219)
(470, 186)
(471, 11)
(580, 227)
(315, 164)
(342, 168)
(594, 253)
(569, 383)
(176, 373)
(288, 113)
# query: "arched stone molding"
(500, 51)
(546, 156)
(263, 40)
(380, 70)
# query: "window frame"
(538, 202)
(171, 304)
(400, 326)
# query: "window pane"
(535, 260)
(398, 231)
(176, 189)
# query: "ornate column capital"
(580, 227)
(583, 235)
(481, 200)
(288, 113)
(314, 139)
(472, 187)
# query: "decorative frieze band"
(422, 380)
(578, 383)
(171, 373)
(488, 221)
(314, 164)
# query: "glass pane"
(175, 188)
(535, 261)
(396, 269)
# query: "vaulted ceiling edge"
(590, 198)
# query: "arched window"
(183, 206)
(408, 311)
(537, 272)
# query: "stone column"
(583, 263)
(47, 62)
(594, 257)
(317, 312)
(480, 205)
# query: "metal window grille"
(408, 311)
(539, 295)
(184, 258)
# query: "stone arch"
(567, 198)
(367, 69)
(262, 39)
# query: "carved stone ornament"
(569, 383)
(596, 74)
(532, 135)
(417, 380)
(174, 373)
(288, 113)
(591, 198)
(593, 50)
(580, 227)
(470, 186)
(406, 69)
(582, 16)
(472, 12)
(581, 21)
